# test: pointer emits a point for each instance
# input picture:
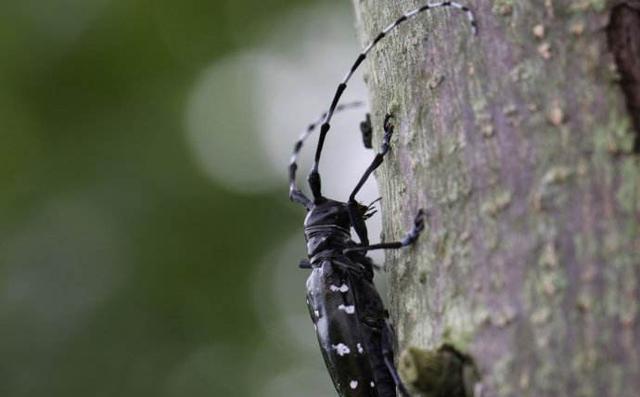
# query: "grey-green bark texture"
(520, 144)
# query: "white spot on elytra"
(360, 349)
(349, 309)
(341, 349)
(353, 384)
(372, 384)
(317, 313)
(343, 288)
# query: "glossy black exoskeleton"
(351, 323)
(350, 320)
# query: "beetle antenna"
(314, 176)
(295, 194)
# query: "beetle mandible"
(351, 322)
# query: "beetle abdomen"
(349, 339)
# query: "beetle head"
(329, 212)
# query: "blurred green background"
(147, 246)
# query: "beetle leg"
(410, 238)
(358, 223)
(367, 130)
(357, 220)
(384, 149)
(386, 343)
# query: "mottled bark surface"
(624, 42)
(520, 143)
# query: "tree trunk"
(520, 144)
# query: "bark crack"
(623, 35)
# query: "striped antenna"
(314, 176)
(295, 194)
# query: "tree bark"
(520, 144)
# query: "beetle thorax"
(327, 227)
(330, 212)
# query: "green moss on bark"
(521, 147)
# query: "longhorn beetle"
(351, 322)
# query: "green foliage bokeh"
(99, 192)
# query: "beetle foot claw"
(418, 222)
(418, 227)
(388, 125)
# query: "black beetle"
(351, 322)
